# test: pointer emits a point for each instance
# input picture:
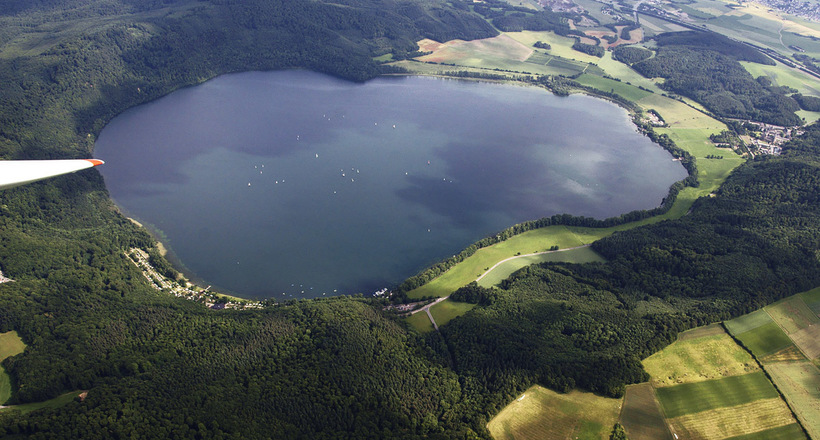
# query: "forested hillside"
(160, 367)
(705, 67)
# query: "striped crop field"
(746, 419)
(690, 398)
(800, 383)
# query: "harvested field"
(696, 397)
(765, 340)
(808, 340)
(800, 383)
(697, 359)
(540, 413)
(749, 418)
(792, 314)
(472, 52)
(786, 432)
(786, 355)
(641, 415)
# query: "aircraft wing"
(19, 172)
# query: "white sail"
(19, 172)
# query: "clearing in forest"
(542, 414)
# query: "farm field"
(690, 398)
(800, 383)
(700, 354)
(782, 336)
(709, 387)
(542, 414)
(641, 416)
(501, 52)
(748, 419)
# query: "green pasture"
(695, 397)
(699, 359)
(10, 345)
(808, 117)
(800, 384)
(507, 268)
(56, 402)
(560, 46)
(447, 310)
(785, 432)
(627, 91)
(811, 47)
(420, 322)
(766, 339)
(542, 414)
(747, 322)
(783, 75)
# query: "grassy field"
(502, 52)
(785, 76)
(696, 358)
(446, 310)
(10, 345)
(690, 398)
(800, 383)
(748, 322)
(641, 415)
(420, 322)
(542, 414)
(505, 269)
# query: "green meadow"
(446, 310)
(420, 322)
(765, 340)
(507, 268)
(10, 345)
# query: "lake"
(294, 184)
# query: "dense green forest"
(161, 367)
(705, 67)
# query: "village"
(189, 291)
(767, 138)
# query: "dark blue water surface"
(268, 184)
